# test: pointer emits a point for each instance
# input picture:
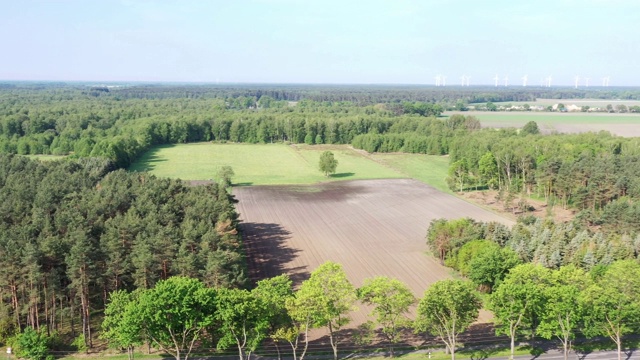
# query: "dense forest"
(595, 173)
(71, 232)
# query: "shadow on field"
(361, 340)
(342, 175)
(268, 253)
(242, 184)
(148, 161)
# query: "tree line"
(180, 315)
(182, 312)
(73, 231)
(558, 281)
(595, 173)
(61, 123)
(485, 252)
(359, 94)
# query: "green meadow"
(262, 164)
(429, 169)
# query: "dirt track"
(371, 227)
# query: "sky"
(321, 41)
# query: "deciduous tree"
(391, 299)
(274, 294)
(518, 300)
(174, 313)
(612, 305)
(328, 163)
(121, 327)
(561, 314)
(224, 175)
(243, 320)
(447, 309)
(330, 297)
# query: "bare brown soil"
(487, 199)
(371, 227)
(626, 130)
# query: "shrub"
(31, 344)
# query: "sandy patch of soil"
(537, 208)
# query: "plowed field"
(371, 227)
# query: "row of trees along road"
(531, 300)
(553, 280)
(568, 302)
(180, 312)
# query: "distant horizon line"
(453, 85)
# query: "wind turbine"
(586, 82)
(506, 81)
(468, 78)
(444, 81)
(607, 83)
(462, 78)
(549, 78)
(437, 80)
(524, 80)
(576, 80)
(496, 80)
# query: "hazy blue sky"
(327, 41)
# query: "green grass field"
(429, 169)
(266, 164)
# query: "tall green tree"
(224, 175)
(121, 327)
(328, 163)
(243, 320)
(612, 305)
(561, 315)
(81, 270)
(490, 265)
(330, 297)
(302, 309)
(488, 170)
(458, 175)
(274, 294)
(391, 299)
(447, 309)
(446, 237)
(174, 313)
(518, 301)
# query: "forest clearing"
(258, 164)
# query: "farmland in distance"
(627, 125)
